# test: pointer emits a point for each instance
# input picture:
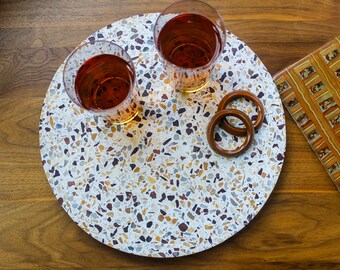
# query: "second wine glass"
(189, 36)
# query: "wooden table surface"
(297, 229)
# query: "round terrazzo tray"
(154, 187)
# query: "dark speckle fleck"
(188, 131)
(183, 227)
(165, 142)
(222, 190)
(281, 126)
(92, 39)
(265, 121)
(115, 161)
(98, 227)
(149, 224)
(132, 166)
(139, 41)
(260, 95)
(163, 194)
(223, 77)
(142, 238)
(139, 217)
(181, 110)
(134, 151)
(218, 138)
(280, 157)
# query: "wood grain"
(298, 227)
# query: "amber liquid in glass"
(103, 82)
(189, 41)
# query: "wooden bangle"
(217, 118)
(237, 131)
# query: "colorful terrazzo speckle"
(154, 187)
